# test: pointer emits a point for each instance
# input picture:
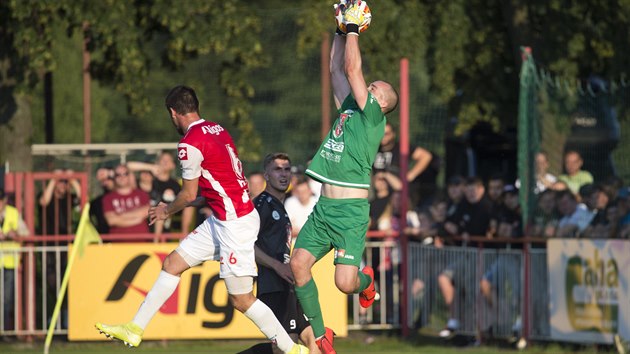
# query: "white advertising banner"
(589, 289)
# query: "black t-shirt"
(97, 215)
(473, 219)
(165, 191)
(274, 238)
(56, 217)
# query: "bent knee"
(346, 286)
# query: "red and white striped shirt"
(207, 151)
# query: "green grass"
(356, 343)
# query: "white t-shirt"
(298, 213)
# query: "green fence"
(562, 114)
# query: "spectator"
(105, 178)
(574, 177)
(545, 218)
(300, 204)
(544, 179)
(495, 193)
(623, 210)
(381, 208)
(510, 223)
(126, 207)
(605, 224)
(575, 216)
(455, 195)
(471, 219)
(506, 269)
(430, 225)
(594, 197)
(256, 182)
(57, 203)
(162, 187)
(12, 227)
(423, 171)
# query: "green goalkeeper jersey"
(346, 155)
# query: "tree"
(119, 33)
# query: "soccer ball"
(367, 15)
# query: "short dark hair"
(274, 156)
(182, 99)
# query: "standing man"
(209, 160)
(342, 164)
(273, 249)
(126, 206)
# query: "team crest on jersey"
(340, 123)
(182, 154)
(275, 215)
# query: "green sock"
(309, 299)
(364, 281)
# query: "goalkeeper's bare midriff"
(339, 192)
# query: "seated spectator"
(544, 179)
(126, 207)
(544, 221)
(300, 204)
(455, 195)
(509, 220)
(605, 224)
(595, 200)
(471, 219)
(430, 223)
(575, 216)
(574, 177)
(494, 193)
(623, 210)
(105, 178)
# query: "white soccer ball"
(367, 15)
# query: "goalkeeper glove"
(353, 17)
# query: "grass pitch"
(356, 343)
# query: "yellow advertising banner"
(589, 289)
(111, 280)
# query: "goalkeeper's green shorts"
(336, 223)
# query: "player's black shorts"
(287, 309)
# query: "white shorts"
(229, 242)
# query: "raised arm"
(339, 81)
(353, 62)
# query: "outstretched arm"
(340, 85)
(353, 69)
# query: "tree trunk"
(16, 134)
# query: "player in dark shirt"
(273, 248)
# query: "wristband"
(352, 28)
(339, 32)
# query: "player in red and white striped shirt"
(209, 162)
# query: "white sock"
(162, 289)
(267, 322)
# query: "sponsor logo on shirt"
(336, 146)
(338, 131)
(215, 129)
(182, 154)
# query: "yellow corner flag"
(86, 233)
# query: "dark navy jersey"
(274, 238)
